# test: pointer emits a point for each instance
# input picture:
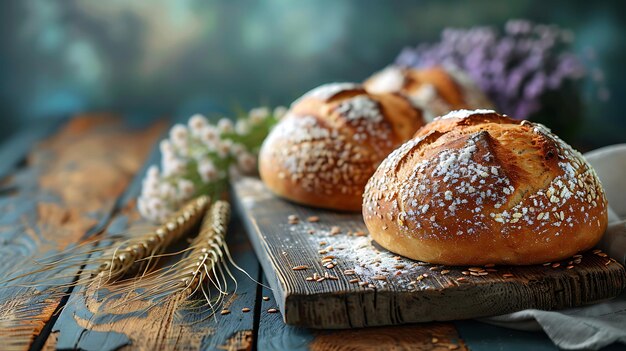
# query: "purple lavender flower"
(516, 68)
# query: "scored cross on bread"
(477, 187)
(330, 142)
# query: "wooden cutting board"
(326, 272)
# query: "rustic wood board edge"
(274, 334)
(344, 306)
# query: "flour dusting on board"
(351, 253)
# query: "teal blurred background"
(173, 58)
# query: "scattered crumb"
(313, 219)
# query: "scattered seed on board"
(224, 312)
(507, 275)
(434, 340)
(352, 281)
(547, 264)
(293, 219)
(379, 277)
(476, 269)
(556, 265)
(445, 271)
(334, 230)
(272, 310)
(461, 279)
(569, 267)
(245, 309)
(266, 298)
(313, 219)
(300, 268)
(465, 272)
(360, 233)
(596, 251)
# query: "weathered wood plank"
(15, 149)
(391, 289)
(162, 327)
(484, 337)
(66, 189)
(274, 334)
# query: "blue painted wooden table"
(63, 181)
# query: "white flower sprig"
(198, 158)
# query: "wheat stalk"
(118, 257)
(123, 259)
(204, 266)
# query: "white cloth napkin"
(595, 326)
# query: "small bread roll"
(331, 141)
(437, 90)
(476, 187)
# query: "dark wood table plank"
(274, 334)
(163, 327)
(15, 148)
(65, 190)
(480, 336)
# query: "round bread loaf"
(476, 187)
(330, 142)
(437, 90)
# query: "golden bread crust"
(330, 142)
(438, 90)
(476, 187)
